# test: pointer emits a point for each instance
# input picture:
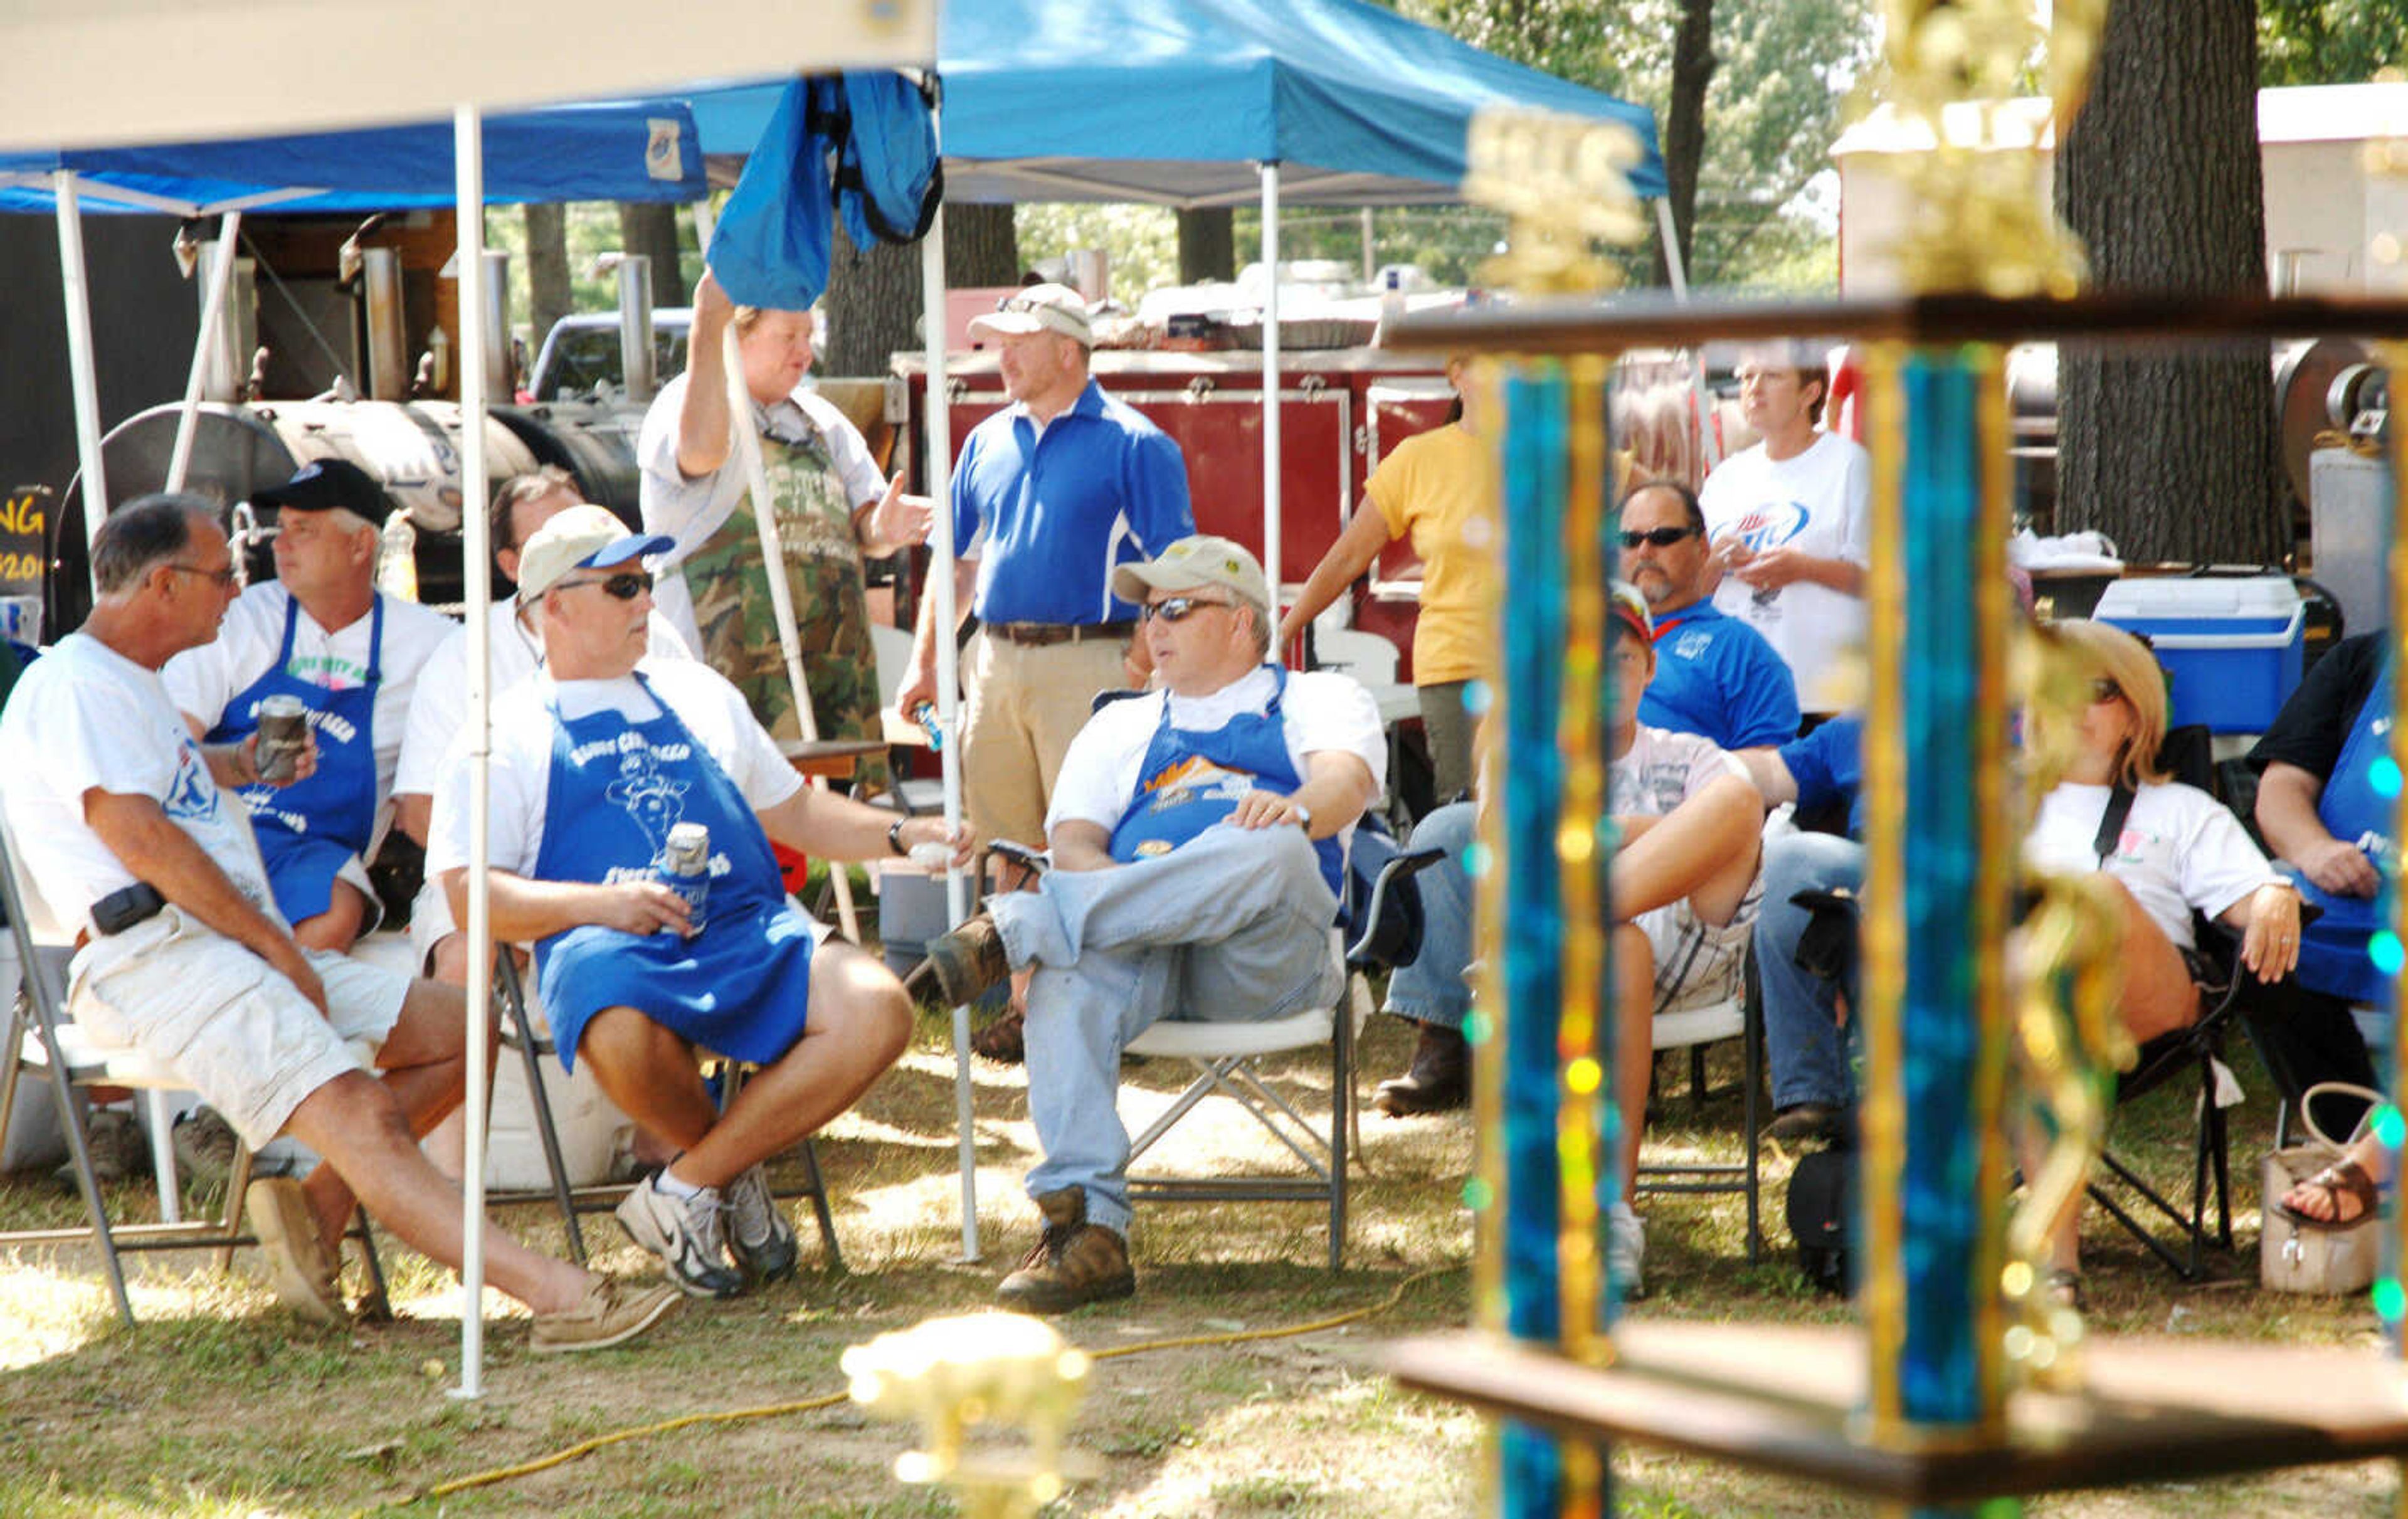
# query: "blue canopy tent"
(635, 150)
(1212, 102)
(638, 149)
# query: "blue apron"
(309, 829)
(2332, 948)
(742, 985)
(1190, 780)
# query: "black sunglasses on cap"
(1662, 538)
(625, 586)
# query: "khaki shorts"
(1699, 964)
(1025, 706)
(238, 1033)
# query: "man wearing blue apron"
(594, 762)
(1198, 836)
(2321, 814)
(324, 634)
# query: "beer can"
(685, 868)
(284, 734)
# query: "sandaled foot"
(2339, 1196)
(1003, 1040)
(962, 964)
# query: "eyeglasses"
(625, 586)
(225, 577)
(1176, 609)
(2103, 689)
(1662, 538)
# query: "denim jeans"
(1233, 926)
(1802, 1040)
(1430, 988)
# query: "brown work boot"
(962, 964)
(1438, 1079)
(1075, 1262)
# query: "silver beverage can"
(685, 869)
(284, 734)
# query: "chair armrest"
(1367, 950)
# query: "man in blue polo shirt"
(1715, 676)
(1049, 495)
(1805, 1041)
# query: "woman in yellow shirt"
(1436, 486)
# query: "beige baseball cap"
(582, 537)
(1040, 308)
(1190, 564)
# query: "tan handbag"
(2322, 1262)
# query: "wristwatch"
(1303, 814)
(895, 837)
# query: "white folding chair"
(43, 1038)
(1692, 1029)
(1227, 1059)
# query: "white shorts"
(430, 923)
(1699, 964)
(238, 1032)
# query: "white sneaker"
(758, 1235)
(1625, 1248)
(686, 1234)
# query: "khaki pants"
(1025, 705)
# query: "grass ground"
(217, 1405)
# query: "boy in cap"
(1198, 832)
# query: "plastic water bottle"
(1392, 303)
(685, 869)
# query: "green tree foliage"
(2329, 41)
(1783, 74)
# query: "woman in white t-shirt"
(2179, 849)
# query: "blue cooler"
(2233, 646)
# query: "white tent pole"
(1672, 236)
(1271, 173)
(74, 285)
(781, 593)
(706, 221)
(476, 552)
(936, 471)
(212, 313)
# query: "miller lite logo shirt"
(1817, 503)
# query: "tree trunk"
(651, 229)
(548, 290)
(1685, 127)
(873, 297)
(2174, 456)
(1208, 245)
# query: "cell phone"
(121, 909)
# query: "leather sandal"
(2339, 1180)
(1001, 1041)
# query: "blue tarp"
(641, 150)
(1174, 101)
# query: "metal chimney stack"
(388, 335)
(635, 326)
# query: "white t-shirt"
(690, 510)
(1323, 711)
(86, 717)
(1662, 769)
(204, 681)
(1818, 503)
(2181, 849)
(441, 704)
(712, 709)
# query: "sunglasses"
(225, 577)
(1176, 609)
(2103, 689)
(625, 586)
(1662, 538)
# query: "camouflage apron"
(738, 622)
